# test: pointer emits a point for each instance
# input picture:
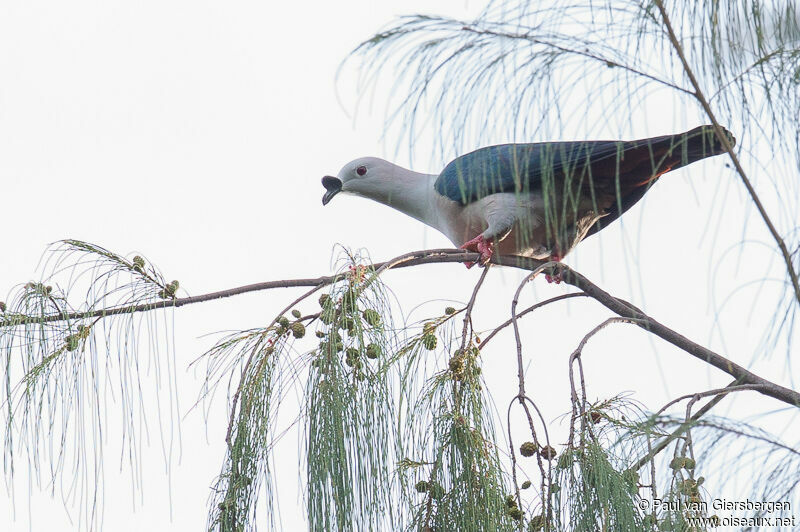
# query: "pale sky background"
(196, 134)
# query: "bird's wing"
(515, 167)
(628, 168)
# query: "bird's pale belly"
(518, 223)
(525, 243)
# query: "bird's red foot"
(479, 245)
(557, 278)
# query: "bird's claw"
(482, 246)
(557, 277)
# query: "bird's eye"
(361, 170)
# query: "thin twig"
(470, 306)
(717, 391)
(522, 397)
(513, 457)
(546, 477)
(520, 369)
(661, 445)
(246, 367)
(576, 356)
(581, 53)
(527, 311)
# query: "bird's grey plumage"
(537, 200)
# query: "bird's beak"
(333, 185)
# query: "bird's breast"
(523, 213)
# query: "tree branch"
(626, 310)
(435, 256)
(403, 261)
(699, 95)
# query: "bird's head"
(368, 176)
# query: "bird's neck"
(411, 193)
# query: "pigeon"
(536, 200)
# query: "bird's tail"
(701, 142)
(643, 161)
(670, 152)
